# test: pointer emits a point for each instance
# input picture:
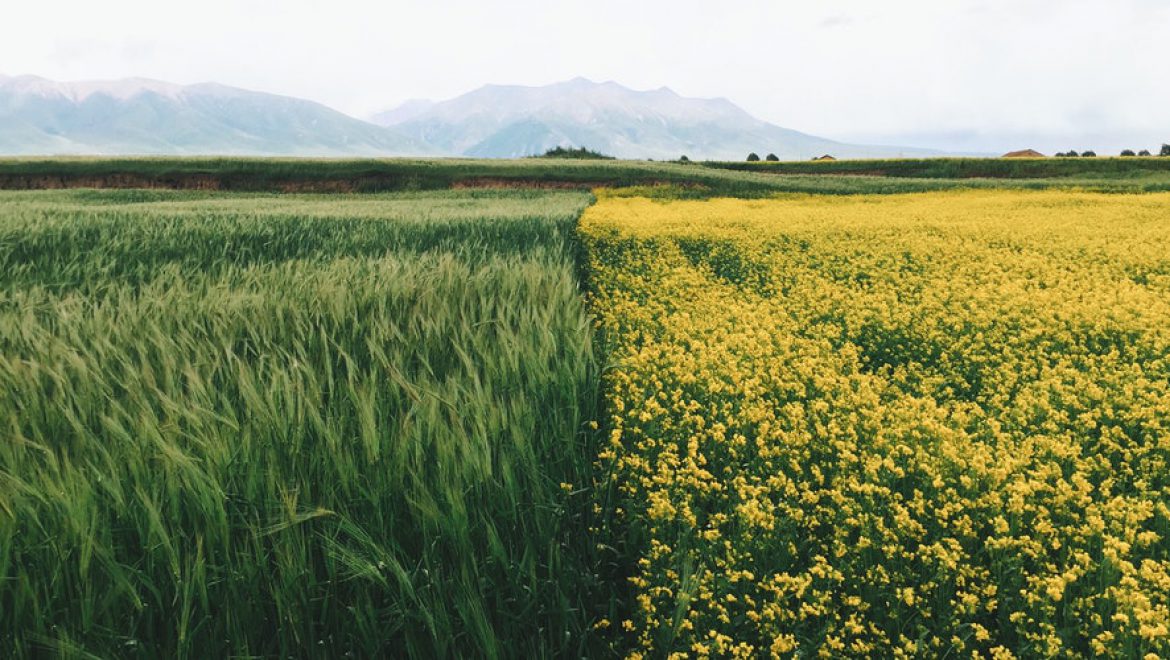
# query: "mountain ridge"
(143, 116)
(39, 116)
(519, 120)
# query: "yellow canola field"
(913, 425)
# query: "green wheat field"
(246, 425)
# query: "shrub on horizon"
(582, 153)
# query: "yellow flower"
(865, 421)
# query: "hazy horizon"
(967, 76)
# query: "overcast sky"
(955, 74)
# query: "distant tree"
(1165, 150)
(683, 159)
(1144, 152)
(1127, 152)
(771, 157)
(1089, 154)
(581, 153)
(753, 157)
(1071, 154)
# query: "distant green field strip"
(965, 168)
(698, 179)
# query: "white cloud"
(995, 71)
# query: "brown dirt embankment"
(46, 182)
(489, 182)
(203, 181)
(212, 182)
(186, 182)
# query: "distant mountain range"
(509, 121)
(139, 116)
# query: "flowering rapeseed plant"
(931, 424)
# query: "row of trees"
(1127, 152)
(753, 157)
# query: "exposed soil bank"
(211, 182)
(194, 182)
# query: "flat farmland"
(913, 425)
(508, 418)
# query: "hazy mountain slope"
(511, 121)
(137, 116)
(405, 112)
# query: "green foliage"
(1165, 150)
(726, 179)
(293, 426)
(580, 153)
(1127, 152)
(1089, 154)
(1098, 173)
(753, 157)
(245, 424)
(771, 158)
(1144, 152)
